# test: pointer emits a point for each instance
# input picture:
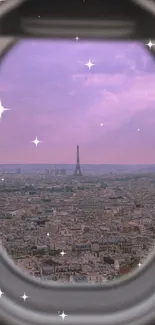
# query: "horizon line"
(91, 164)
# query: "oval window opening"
(77, 165)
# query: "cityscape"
(77, 162)
(72, 227)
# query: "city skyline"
(108, 110)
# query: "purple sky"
(53, 95)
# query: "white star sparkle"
(48, 234)
(150, 44)
(138, 130)
(63, 315)
(24, 297)
(2, 179)
(36, 141)
(101, 124)
(2, 109)
(62, 253)
(139, 264)
(89, 64)
(1, 293)
(77, 38)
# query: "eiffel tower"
(78, 168)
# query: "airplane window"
(77, 162)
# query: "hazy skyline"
(54, 96)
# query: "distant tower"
(78, 168)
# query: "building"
(57, 172)
(63, 172)
(47, 172)
(18, 171)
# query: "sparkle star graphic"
(150, 44)
(62, 253)
(1, 293)
(101, 124)
(48, 234)
(63, 315)
(24, 297)
(2, 109)
(77, 38)
(89, 64)
(36, 141)
(139, 264)
(138, 130)
(2, 179)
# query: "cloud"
(5, 87)
(55, 97)
(105, 80)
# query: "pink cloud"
(116, 108)
(100, 79)
(5, 87)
